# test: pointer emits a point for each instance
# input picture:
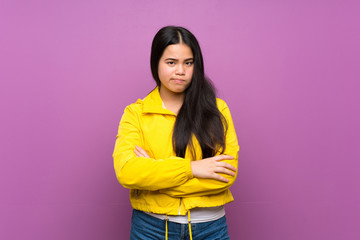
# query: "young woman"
(176, 149)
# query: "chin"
(179, 90)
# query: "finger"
(220, 178)
(138, 154)
(230, 167)
(142, 151)
(223, 157)
(224, 171)
(227, 165)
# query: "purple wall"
(289, 71)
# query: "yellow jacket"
(163, 182)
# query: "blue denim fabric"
(146, 227)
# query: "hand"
(140, 152)
(210, 167)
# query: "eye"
(170, 63)
(189, 63)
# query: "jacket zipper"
(180, 207)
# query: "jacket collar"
(153, 103)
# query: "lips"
(178, 80)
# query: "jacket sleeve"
(144, 173)
(196, 187)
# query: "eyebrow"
(175, 59)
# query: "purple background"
(289, 70)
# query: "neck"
(172, 101)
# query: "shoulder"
(135, 107)
(131, 113)
(138, 106)
(134, 110)
(223, 108)
(221, 104)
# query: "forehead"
(179, 50)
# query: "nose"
(180, 70)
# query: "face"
(176, 67)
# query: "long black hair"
(199, 114)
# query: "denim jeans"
(146, 227)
